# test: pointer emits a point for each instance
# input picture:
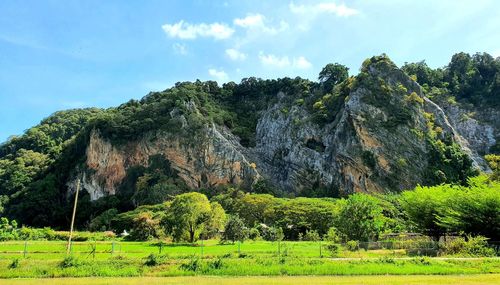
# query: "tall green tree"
(189, 215)
(361, 218)
(332, 74)
(235, 230)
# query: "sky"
(68, 54)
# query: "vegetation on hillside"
(35, 167)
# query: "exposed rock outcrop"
(378, 141)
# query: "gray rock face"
(376, 142)
(479, 130)
(299, 155)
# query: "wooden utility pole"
(68, 248)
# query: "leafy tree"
(469, 209)
(332, 74)
(217, 221)
(424, 75)
(494, 162)
(103, 221)
(235, 230)
(257, 208)
(188, 215)
(360, 218)
(301, 215)
(145, 227)
(19, 170)
(423, 206)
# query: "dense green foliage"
(474, 79)
(234, 230)
(36, 167)
(190, 214)
(456, 209)
(24, 159)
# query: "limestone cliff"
(212, 158)
(381, 136)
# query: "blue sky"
(70, 54)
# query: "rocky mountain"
(378, 131)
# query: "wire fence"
(106, 249)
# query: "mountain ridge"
(378, 131)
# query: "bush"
(352, 245)
(332, 235)
(155, 259)
(217, 263)
(311, 235)
(333, 248)
(235, 230)
(472, 246)
(254, 234)
(194, 264)
(70, 261)
(14, 263)
(272, 234)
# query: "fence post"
(320, 250)
(201, 248)
(25, 252)
(112, 248)
(160, 247)
(239, 247)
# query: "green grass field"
(260, 258)
(210, 248)
(281, 280)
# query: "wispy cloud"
(219, 75)
(257, 23)
(324, 7)
(301, 63)
(180, 48)
(274, 61)
(187, 31)
(235, 54)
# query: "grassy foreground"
(46, 259)
(285, 280)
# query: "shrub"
(272, 234)
(155, 259)
(254, 234)
(333, 248)
(472, 246)
(194, 264)
(311, 235)
(145, 227)
(235, 230)
(14, 263)
(332, 235)
(70, 261)
(352, 245)
(217, 263)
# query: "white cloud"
(251, 20)
(180, 48)
(274, 61)
(256, 23)
(301, 63)
(219, 75)
(324, 7)
(187, 31)
(235, 54)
